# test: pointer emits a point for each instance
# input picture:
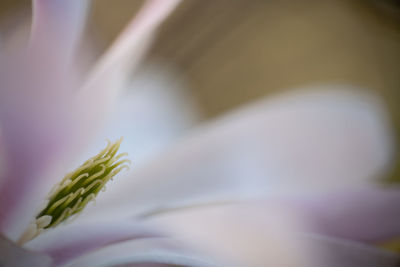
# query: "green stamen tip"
(79, 187)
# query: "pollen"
(81, 186)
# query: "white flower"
(289, 181)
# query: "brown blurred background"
(235, 51)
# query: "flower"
(64, 110)
(284, 182)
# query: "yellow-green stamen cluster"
(73, 193)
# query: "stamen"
(43, 221)
(79, 187)
(29, 234)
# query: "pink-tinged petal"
(145, 253)
(37, 128)
(68, 242)
(59, 23)
(263, 234)
(294, 143)
(154, 113)
(41, 117)
(129, 45)
(334, 252)
(15, 256)
(2, 159)
(110, 73)
(37, 114)
(239, 234)
(367, 215)
(145, 265)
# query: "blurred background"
(223, 54)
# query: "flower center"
(79, 187)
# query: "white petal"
(15, 256)
(333, 252)
(37, 128)
(36, 115)
(294, 143)
(68, 242)
(366, 214)
(154, 112)
(40, 117)
(166, 251)
(57, 27)
(240, 234)
(258, 234)
(226, 235)
(109, 75)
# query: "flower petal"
(67, 242)
(36, 117)
(59, 23)
(334, 252)
(240, 234)
(152, 114)
(110, 73)
(40, 117)
(158, 252)
(37, 128)
(263, 234)
(367, 215)
(13, 255)
(295, 143)
(226, 235)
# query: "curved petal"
(37, 128)
(68, 242)
(136, 34)
(59, 23)
(294, 143)
(226, 235)
(110, 73)
(40, 116)
(35, 111)
(259, 234)
(146, 253)
(332, 252)
(152, 114)
(13, 255)
(241, 234)
(367, 215)
(328, 252)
